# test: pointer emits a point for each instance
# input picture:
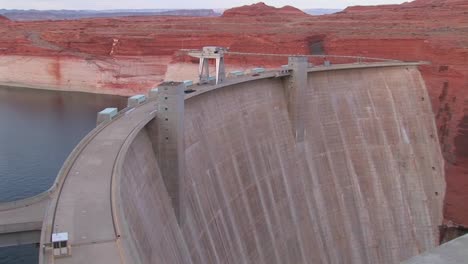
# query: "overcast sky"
(192, 4)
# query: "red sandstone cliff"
(3, 19)
(261, 9)
(435, 3)
(133, 54)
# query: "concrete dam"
(336, 164)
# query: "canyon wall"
(123, 76)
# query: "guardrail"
(323, 57)
(11, 205)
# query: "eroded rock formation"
(261, 9)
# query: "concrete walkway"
(84, 207)
(21, 223)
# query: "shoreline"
(59, 89)
(124, 76)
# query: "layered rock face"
(261, 9)
(128, 55)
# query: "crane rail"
(359, 58)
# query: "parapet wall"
(365, 185)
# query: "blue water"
(21, 254)
(38, 129)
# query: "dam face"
(363, 184)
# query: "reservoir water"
(38, 129)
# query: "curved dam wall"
(364, 184)
(146, 204)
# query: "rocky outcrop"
(435, 3)
(261, 9)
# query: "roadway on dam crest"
(84, 207)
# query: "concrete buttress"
(295, 93)
(169, 147)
